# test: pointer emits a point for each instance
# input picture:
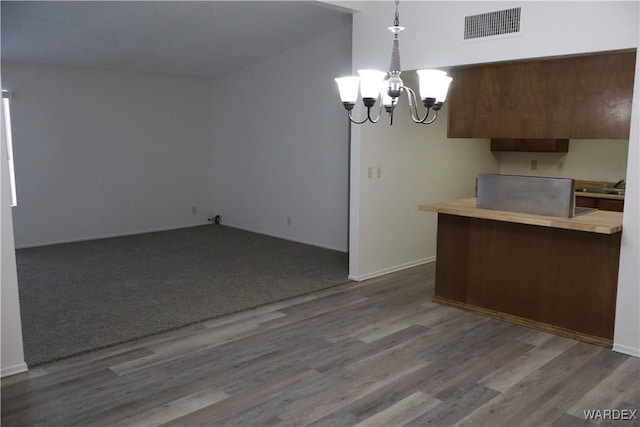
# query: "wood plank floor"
(376, 353)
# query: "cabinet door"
(598, 203)
(603, 87)
(587, 96)
(506, 144)
(532, 145)
(610, 205)
(473, 103)
(585, 202)
(546, 145)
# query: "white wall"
(434, 31)
(434, 39)
(12, 355)
(627, 331)
(281, 144)
(418, 165)
(587, 159)
(101, 153)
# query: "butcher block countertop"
(604, 222)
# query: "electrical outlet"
(288, 220)
(560, 166)
(379, 172)
(370, 172)
(193, 210)
(534, 165)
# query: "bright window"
(6, 115)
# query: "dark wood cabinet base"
(599, 203)
(568, 333)
(560, 281)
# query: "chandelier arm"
(435, 116)
(357, 122)
(368, 118)
(413, 107)
(379, 114)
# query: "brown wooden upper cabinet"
(579, 97)
(537, 145)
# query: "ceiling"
(189, 38)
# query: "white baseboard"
(361, 277)
(631, 351)
(109, 236)
(13, 370)
(155, 230)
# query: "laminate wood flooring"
(375, 353)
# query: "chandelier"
(434, 85)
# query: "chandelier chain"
(396, 21)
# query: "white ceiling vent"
(492, 23)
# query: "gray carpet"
(83, 296)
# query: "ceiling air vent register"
(492, 23)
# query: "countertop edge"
(586, 222)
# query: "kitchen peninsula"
(554, 274)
